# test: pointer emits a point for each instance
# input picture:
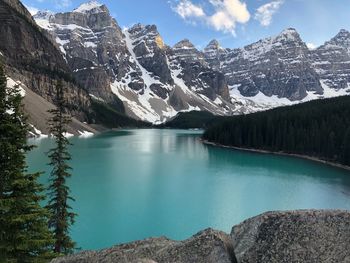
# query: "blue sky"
(234, 23)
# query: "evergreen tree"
(62, 217)
(24, 233)
(318, 128)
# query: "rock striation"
(294, 236)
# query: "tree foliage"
(319, 129)
(24, 233)
(61, 215)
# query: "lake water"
(135, 184)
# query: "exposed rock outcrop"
(294, 236)
(332, 61)
(153, 80)
(277, 66)
(32, 58)
(315, 236)
(208, 246)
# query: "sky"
(234, 23)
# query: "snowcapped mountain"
(277, 66)
(332, 61)
(153, 81)
(135, 66)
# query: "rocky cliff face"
(33, 59)
(92, 43)
(135, 72)
(332, 61)
(154, 81)
(292, 236)
(274, 66)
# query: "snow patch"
(37, 133)
(85, 134)
(11, 84)
(68, 135)
(88, 7)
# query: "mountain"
(277, 66)
(332, 61)
(33, 59)
(153, 80)
(133, 72)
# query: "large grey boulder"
(294, 236)
(208, 246)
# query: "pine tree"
(62, 217)
(24, 233)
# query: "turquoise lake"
(135, 184)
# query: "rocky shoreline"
(290, 236)
(305, 157)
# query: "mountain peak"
(43, 14)
(213, 45)
(342, 39)
(342, 35)
(185, 43)
(344, 31)
(87, 7)
(290, 33)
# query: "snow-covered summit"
(289, 33)
(184, 44)
(91, 6)
(342, 39)
(45, 14)
(213, 46)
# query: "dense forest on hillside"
(192, 120)
(318, 128)
(111, 118)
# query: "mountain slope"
(135, 73)
(153, 80)
(33, 60)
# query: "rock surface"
(294, 236)
(208, 246)
(315, 236)
(32, 59)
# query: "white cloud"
(265, 12)
(226, 14)
(187, 9)
(311, 46)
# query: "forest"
(318, 129)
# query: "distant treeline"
(192, 120)
(319, 128)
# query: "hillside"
(32, 59)
(318, 129)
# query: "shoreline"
(300, 156)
